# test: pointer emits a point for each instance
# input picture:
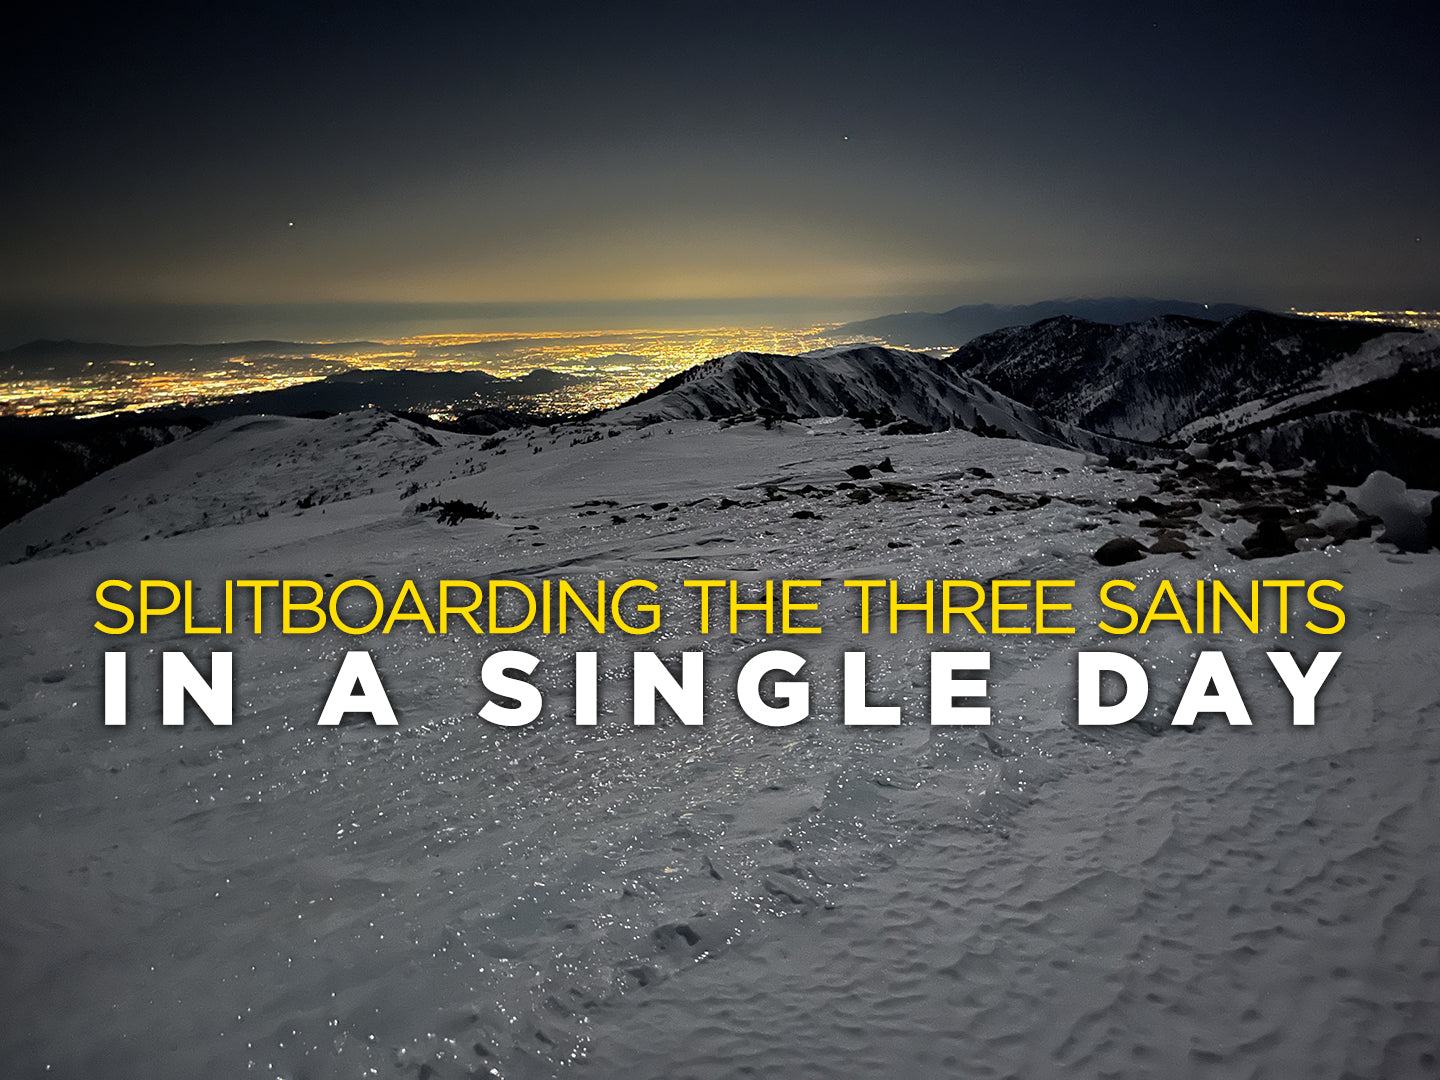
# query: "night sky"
(786, 160)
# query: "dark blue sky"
(851, 158)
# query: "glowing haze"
(827, 160)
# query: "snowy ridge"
(1344, 446)
(1151, 379)
(238, 471)
(864, 381)
(1377, 361)
(923, 330)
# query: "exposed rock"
(1121, 550)
(1268, 541)
(1168, 545)
(1259, 511)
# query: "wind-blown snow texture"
(454, 899)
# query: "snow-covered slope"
(1344, 446)
(240, 470)
(451, 899)
(1378, 408)
(41, 457)
(1149, 380)
(869, 382)
(1397, 375)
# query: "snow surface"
(855, 379)
(1376, 360)
(451, 898)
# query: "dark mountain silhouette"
(947, 329)
(393, 391)
(43, 457)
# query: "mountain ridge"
(1240, 383)
(948, 329)
(1341, 398)
(871, 383)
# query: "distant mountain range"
(947, 329)
(1346, 398)
(45, 359)
(1341, 398)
